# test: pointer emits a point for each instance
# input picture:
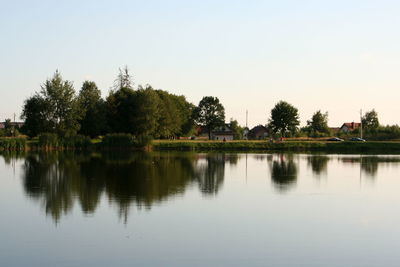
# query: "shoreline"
(381, 147)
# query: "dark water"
(188, 209)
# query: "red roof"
(351, 125)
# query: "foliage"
(148, 112)
(210, 113)
(120, 110)
(145, 113)
(389, 132)
(92, 106)
(76, 142)
(9, 130)
(53, 141)
(236, 129)
(56, 105)
(49, 140)
(370, 121)
(17, 144)
(318, 125)
(35, 114)
(295, 146)
(284, 118)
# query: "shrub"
(47, 140)
(76, 141)
(18, 144)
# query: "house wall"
(344, 129)
(221, 137)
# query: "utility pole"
(361, 126)
(247, 117)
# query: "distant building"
(220, 133)
(349, 126)
(17, 125)
(258, 133)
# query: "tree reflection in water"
(318, 163)
(58, 180)
(369, 164)
(283, 172)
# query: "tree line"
(145, 112)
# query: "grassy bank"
(13, 144)
(125, 142)
(294, 146)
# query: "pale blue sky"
(337, 56)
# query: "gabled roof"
(351, 125)
(258, 128)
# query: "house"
(257, 133)
(349, 126)
(17, 125)
(201, 132)
(222, 133)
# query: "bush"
(17, 144)
(76, 141)
(48, 140)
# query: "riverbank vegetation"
(57, 117)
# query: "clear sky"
(338, 56)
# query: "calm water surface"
(189, 209)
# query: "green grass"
(13, 144)
(127, 142)
(295, 146)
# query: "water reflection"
(57, 180)
(318, 164)
(283, 172)
(369, 164)
(210, 173)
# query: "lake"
(199, 209)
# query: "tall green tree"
(185, 114)
(146, 112)
(35, 115)
(210, 113)
(284, 118)
(169, 119)
(57, 105)
(370, 120)
(93, 121)
(119, 106)
(319, 123)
